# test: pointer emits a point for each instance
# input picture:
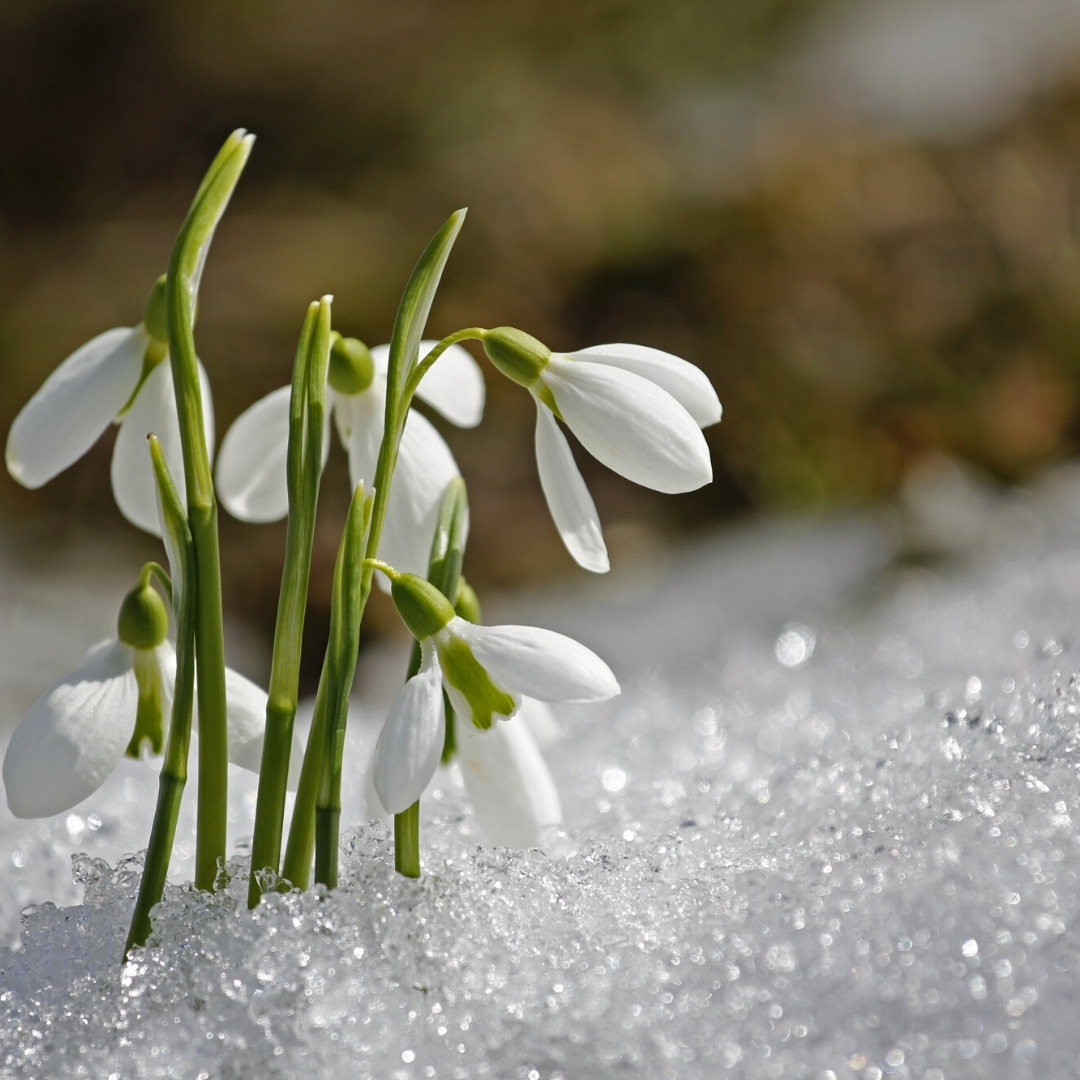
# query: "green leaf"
(413, 311)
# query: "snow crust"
(829, 831)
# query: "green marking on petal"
(466, 675)
(150, 715)
(156, 351)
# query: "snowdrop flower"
(122, 376)
(484, 670)
(638, 410)
(116, 702)
(510, 787)
(251, 470)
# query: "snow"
(828, 831)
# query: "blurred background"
(861, 218)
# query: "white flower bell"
(121, 376)
(117, 701)
(637, 410)
(251, 469)
(484, 671)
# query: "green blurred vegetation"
(858, 298)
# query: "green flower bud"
(351, 368)
(467, 603)
(423, 609)
(154, 312)
(144, 620)
(519, 356)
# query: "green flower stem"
(444, 572)
(307, 411)
(407, 841)
(473, 333)
(344, 642)
(158, 571)
(174, 770)
(204, 583)
(404, 349)
(301, 846)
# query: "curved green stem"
(421, 369)
(204, 584)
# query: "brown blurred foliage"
(858, 298)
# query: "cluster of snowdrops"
(473, 693)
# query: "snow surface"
(829, 831)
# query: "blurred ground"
(860, 218)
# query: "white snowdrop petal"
(539, 718)
(73, 736)
(153, 412)
(411, 741)
(75, 405)
(380, 357)
(511, 790)
(539, 663)
(252, 479)
(630, 424)
(424, 467)
(454, 385)
(571, 505)
(685, 382)
(360, 419)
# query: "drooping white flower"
(251, 469)
(638, 410)
(117, 701)
(122, 376)
(484, 671)
(511, 790)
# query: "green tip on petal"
(143, 622)
(423, 609)
(465, 674)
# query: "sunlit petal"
(424, 467)
(251, 470)
(454, 385)
(537, 662)
(153, 411)
(568, 499)
(75, 405)
(411, 741)
(509, 785)
(630, 424)
(74, 735)
(685, 382)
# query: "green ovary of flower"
(519, 356)
(465, 674)
(143, 621)
(352, 369)
(423, 609)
